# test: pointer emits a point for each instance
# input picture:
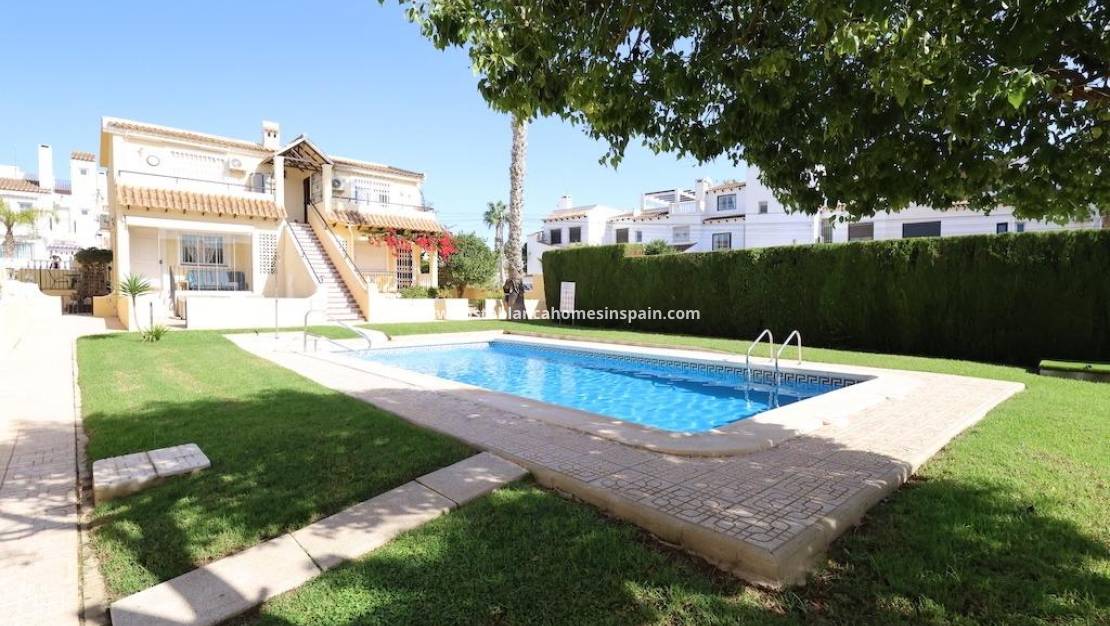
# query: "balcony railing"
(365, 204)
(256, 183)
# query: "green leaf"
(1016, 96)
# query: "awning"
(193, 203)
(366, 220)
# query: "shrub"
(473, 263)
(154, 333)
(1016, 298)
(656, 247)
(419, 292)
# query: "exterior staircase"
(341, 304)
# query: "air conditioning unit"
(235, 164)
(337, 184)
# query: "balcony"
(257, 183)
(353, 203)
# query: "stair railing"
(304, 254)
(339, 244)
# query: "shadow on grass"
(280, 459)
(942, 551)
(526, 556)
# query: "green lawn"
(284, 450)
(1007, 525)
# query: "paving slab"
(220, 590)
(177, 460)
(473, 477)
(371, 524)
(121, 475)
(39, 536)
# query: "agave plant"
(133, 286)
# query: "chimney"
(271, 135)
(46, 167)
(565, 202)
(700, 189)
(639, 209)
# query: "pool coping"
(759, 432)
(767, 517)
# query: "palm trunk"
(499, 245)
(9, 244)
(514, 287)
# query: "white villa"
(232, 232)
(744, 214)
(72, 212)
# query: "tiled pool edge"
(759, 432)
(773, 557)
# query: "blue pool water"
(670, 395)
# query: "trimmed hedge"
(1014, 298)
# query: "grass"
(518, 556)
(1007, 525)
(1076, 366)
(284, 450)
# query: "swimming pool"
(672, 395)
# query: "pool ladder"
(775, 355)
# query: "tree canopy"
(863, 104)
(473, 263)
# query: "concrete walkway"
(225, 588)
(39, 540)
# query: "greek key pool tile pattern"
(760, 502)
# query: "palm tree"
(514, 287)
(494, 217)
(11, 219)
(133, 286)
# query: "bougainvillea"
(443, 243)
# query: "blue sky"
(356, 77)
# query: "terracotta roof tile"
(163, 131)
(377, 167)
(198, 203)
(365, 219)
(21, 184)
(79, 155)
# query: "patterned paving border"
(767, 516)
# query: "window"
(726, 202)
(1001, 227)
(404, 268)
(826, 230)
(861, 231)
(84, 211)
(202, 250)
(555, 236)
(574, 234)
(639, 236)
(1019, 227)
(257, 182)
(921, 229)
(680, 234)
(84, 171)
(762, 207)
(722, 241)
(24, 206)
(622, 235)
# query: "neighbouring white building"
(232, 232)
(72, 212)
(745, 214)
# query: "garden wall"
(1014, 298)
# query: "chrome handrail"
(786, 343)
(304, 254)
(358, 331)
(748, 355)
